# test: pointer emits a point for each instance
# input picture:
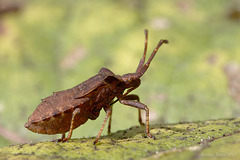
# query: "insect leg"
(110, 121)
(63, 136)
(109, 111)
(59, 140)
(75, 112)
(139, 105)
(135, 97)
(128, 97)
(110, 118)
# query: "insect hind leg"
(63, 139)
(59, 140)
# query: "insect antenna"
(141, 62)
(142, 70)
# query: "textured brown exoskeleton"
(68, 109)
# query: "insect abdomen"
(56, 124)
(54, 114)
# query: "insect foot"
(151, 136)
(94, 143)
(66, 110)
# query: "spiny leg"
(139, 105)
(144, 53)
(109, 111)
(75, 112)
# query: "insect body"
(68, 109)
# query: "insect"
(68, 109)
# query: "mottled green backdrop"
(51, 45)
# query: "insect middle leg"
(110, 116)
(110, 121)
(139, 105)
(109, 112)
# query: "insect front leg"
(135, 97)
(139, 105)
(128, 97)
(109, 112)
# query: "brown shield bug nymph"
(68, 109)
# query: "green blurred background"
(51, 45)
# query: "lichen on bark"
(213, 139)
